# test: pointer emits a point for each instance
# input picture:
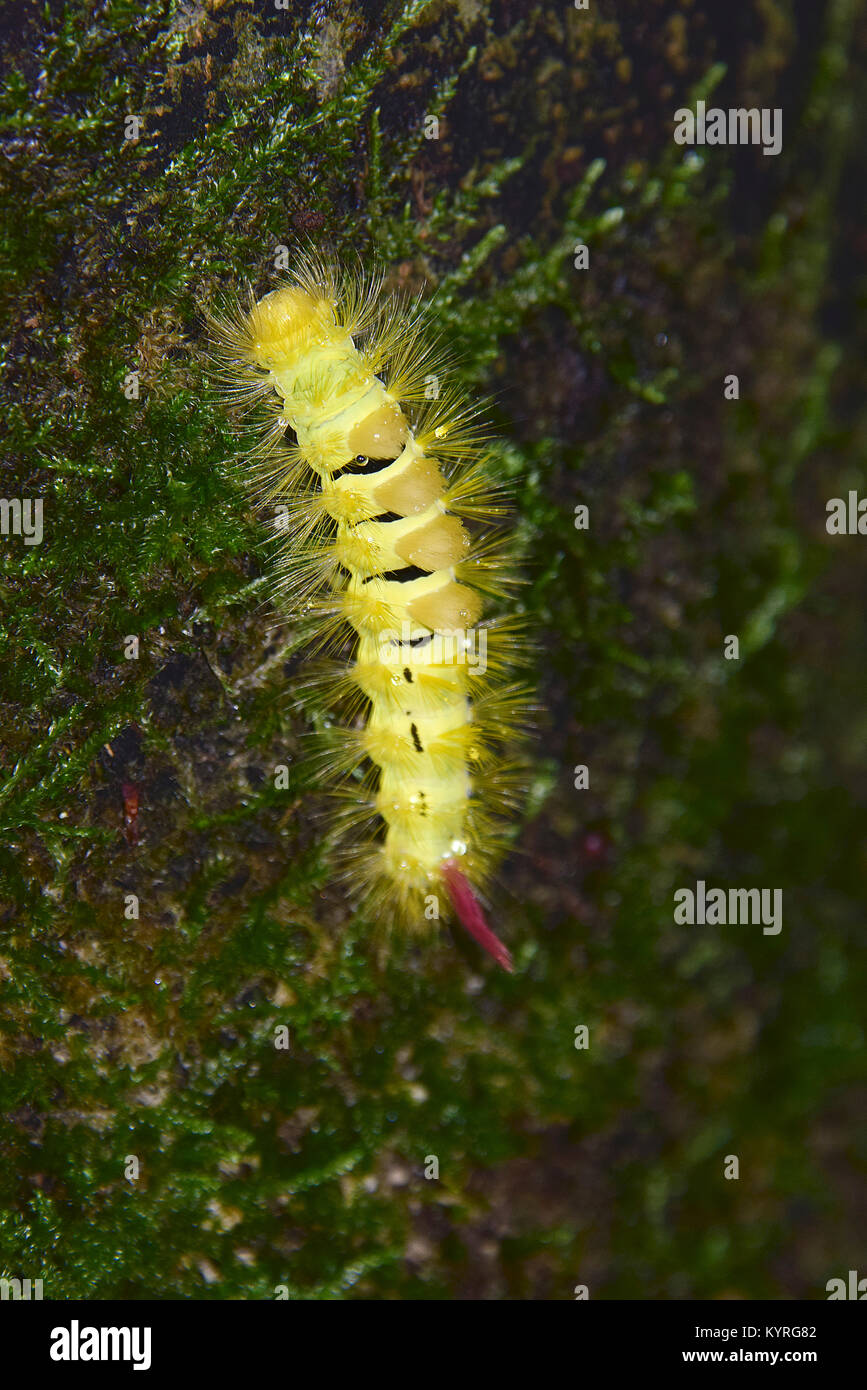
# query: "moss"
(154, 1036)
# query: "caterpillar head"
(278, 323)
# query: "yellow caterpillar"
(374, 496)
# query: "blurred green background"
(154, 1037)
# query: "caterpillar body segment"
(378, 498)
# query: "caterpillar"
(392, 544)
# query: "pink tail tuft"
(467, 907)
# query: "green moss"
(154, 1036)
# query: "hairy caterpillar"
(375, 492)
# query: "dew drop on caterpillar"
(391, 534)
